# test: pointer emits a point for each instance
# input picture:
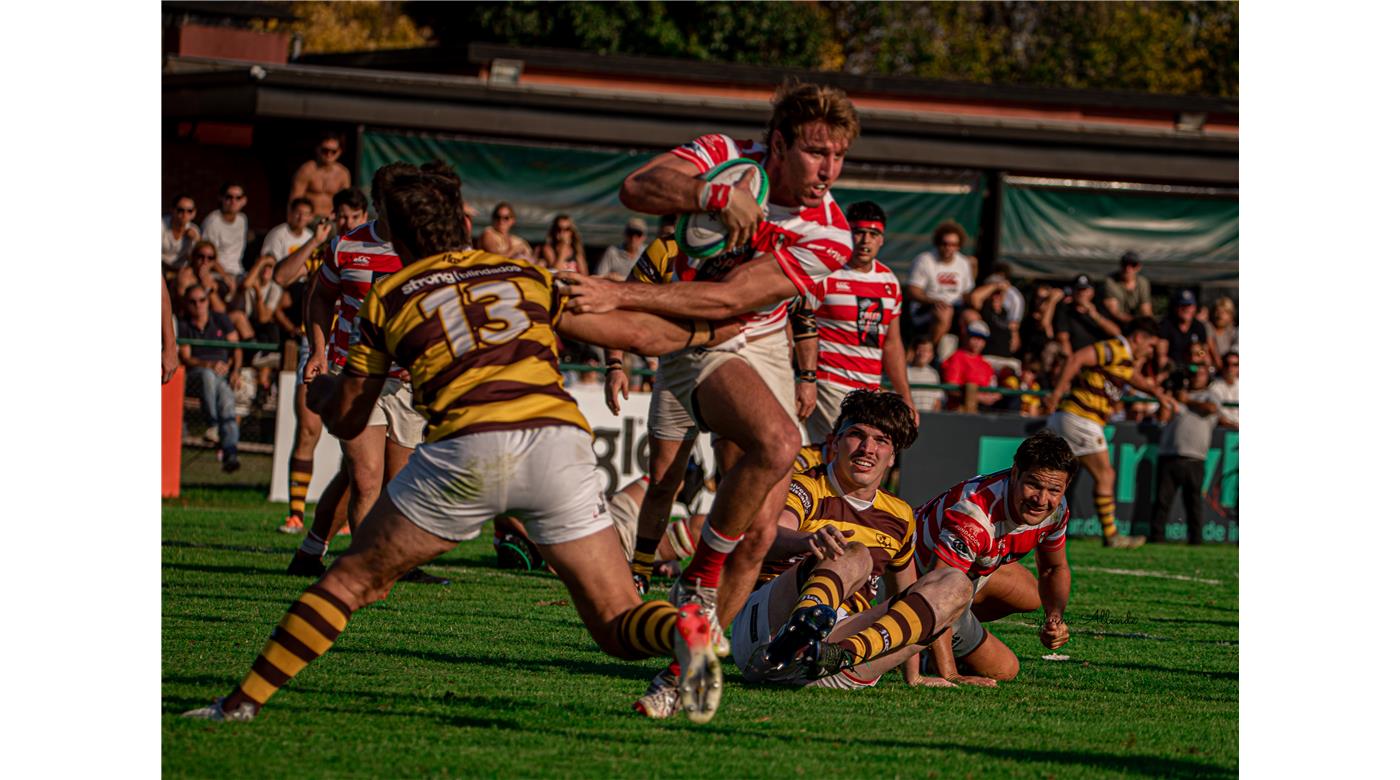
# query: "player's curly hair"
(351, 198)
(798, 102)
(1142, 324)
(879, 409)
(1046, 449)
(423, 209)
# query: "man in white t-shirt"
(227, 229)
(939, 283)
(618, 260)
(1226, 387)
(290, 235)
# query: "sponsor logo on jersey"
(870, 313)
(802, 495)
(360, 260)
(955, 543)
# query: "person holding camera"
(1181, 456)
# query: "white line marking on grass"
(1141, 573)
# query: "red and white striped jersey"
(969, 529)
(352, 265)
(854, 312)
(809, 243)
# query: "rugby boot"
(663, 696)
(803, 630)
(1124, 542)
(641, 583)
(293, 525)
(823, 660)
(242, 713)
(305, 565)
(700, 679)
(691, 592)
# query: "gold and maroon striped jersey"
(1098, 387)
(476, 332)
(654, 266)
(808, 458)
(886, 526)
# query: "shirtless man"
(320, 179)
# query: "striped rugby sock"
(909, 621)
(822, 587)
(1105, 507)
(647, 629)
(644, 557)
(298, 482)
(306, 632)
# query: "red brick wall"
(231, 43)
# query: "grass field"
(494, 675)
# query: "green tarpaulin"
(541, 182)
(1050, 232)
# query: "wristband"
(714, 196)
(807, 376)
(709, 332)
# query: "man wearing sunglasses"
(227, 228)
(178, 233)
(319, 179)
(209, 370)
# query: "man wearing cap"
(618, 260)
(1182, 330)
(1078, 322)
(966, 365)
(848, 337)
(1127, 294)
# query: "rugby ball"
(702, 234)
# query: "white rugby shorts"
(546, 477)
(769, 356)
(1085, 437)
(624, 513)
(666, 418)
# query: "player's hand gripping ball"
(704, 234)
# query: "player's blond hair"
(799, 102)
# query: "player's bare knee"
(778, 446)
(1008, 670)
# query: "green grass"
(495, 676)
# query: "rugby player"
(854, 342)
(963, 538)
(1094, 377)
(671, 431)
(375, 455)
(745, 394)
(478, 332)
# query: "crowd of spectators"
(992, 331)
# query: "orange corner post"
(172, 423)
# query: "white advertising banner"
(619, 441)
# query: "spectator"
(563, 248)
(667, 228)
(1226, 388)
(212, 372)
(1031, 405)
(1182, 330)
(264, 302)
(1039, 331)
(318, 180)
(1181, 457)
(204, 271)
(1001, 306)
(921, 371)
(178, 233)
(966, 365)
(1127, 294)
(228, 229)
(1078, 322)
(938, 284)
(289, 236)
(1221, 329)
(498, 239)
(618, 260)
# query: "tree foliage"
(1164, 47)
(362, 25)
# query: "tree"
(363, 25)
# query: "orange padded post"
(172, 423)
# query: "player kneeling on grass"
(477, 331)
(963, 538)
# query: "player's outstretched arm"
(1054, 584)
(635, 331)
(1077, 361)
(749, 287)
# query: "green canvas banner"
(542, 181)
(1062, 232)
